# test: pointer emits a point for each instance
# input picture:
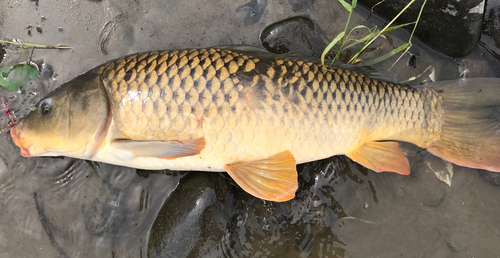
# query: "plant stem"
(342, 40)
(418, 19)
(35, 45)
(380, 32)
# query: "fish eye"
(45, 106)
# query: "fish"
(256, 115)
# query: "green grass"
(14, 77)
(345, 41)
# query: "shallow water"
(75, 208)
(61, 207)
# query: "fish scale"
(251, 107)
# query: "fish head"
(71, 121)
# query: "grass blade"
(387, 26)
(387, 30)
(330, 46)
(35, 45)
(387, 55)
(418, 19)
(365, 38)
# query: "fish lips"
(21, 141)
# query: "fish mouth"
(21, 141)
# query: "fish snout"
(21, 141)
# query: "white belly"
(115, 156)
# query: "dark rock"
(208, 215)
(491, 29)
(296, 35)
(452, 27)
(194, 218)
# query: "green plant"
(13, 77)
(342, 38)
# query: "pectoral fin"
(273, 178)
(160, 149)
(381, 156)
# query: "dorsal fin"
(264, 54)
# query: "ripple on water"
(105, 208)
(101, 202)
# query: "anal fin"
(381, 156)
(273, 178)
(160, 149)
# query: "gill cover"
(71, 121)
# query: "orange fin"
(161, 149)
(381, 156)
(273, 178)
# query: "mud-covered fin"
(470, 129)
(273, 178)
(380, 157)
(160, 149)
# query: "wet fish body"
(249, 109)
(252, 114)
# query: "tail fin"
(470, 130)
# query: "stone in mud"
(209, 215)
(451, 27)
(296, 35)
(194, 218)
